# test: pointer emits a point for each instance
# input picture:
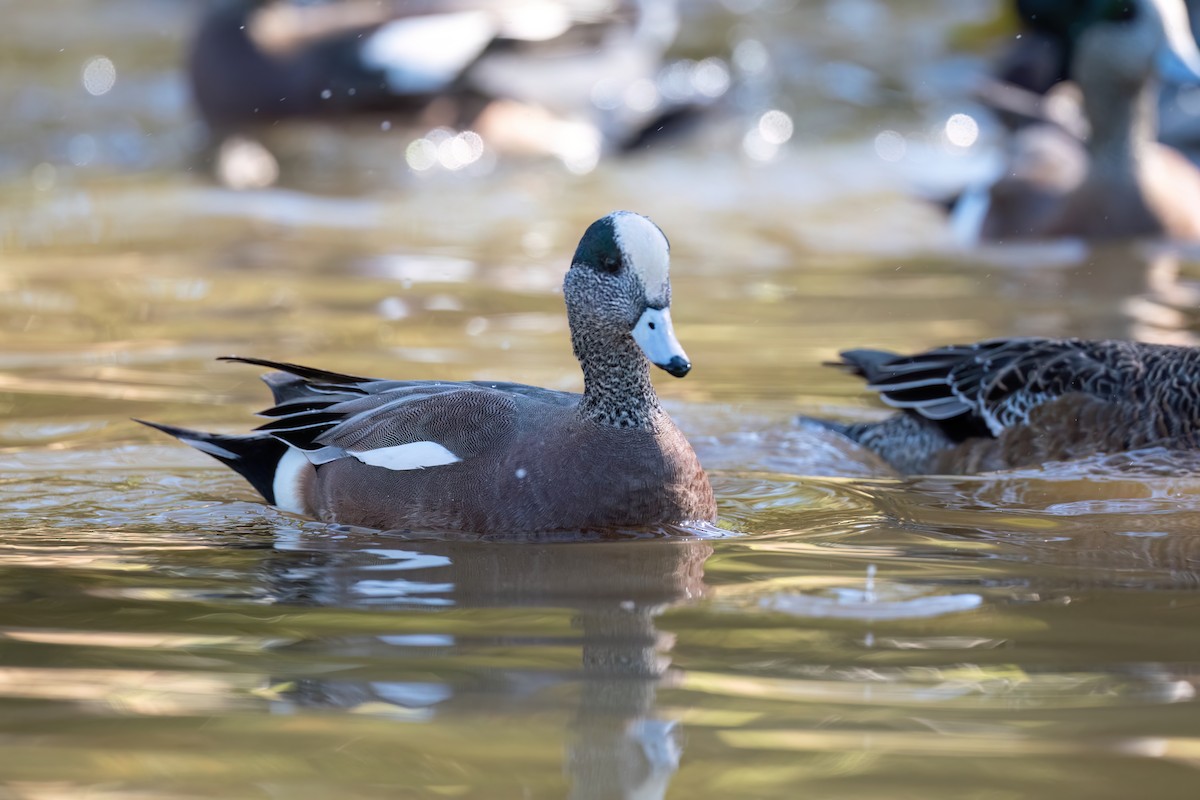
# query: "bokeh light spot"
(641, 95)
(757, 147)
(244, 163)
(421, 154)
(99, 75)
(962, 130)
(775, 127)
(890, 145)
(606, 95)
(750, 56)
(473, 143)
(711, 77)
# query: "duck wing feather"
(332, 415)
(985, 388)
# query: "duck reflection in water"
(1095, 290)
(1108, 522)
(609, 592)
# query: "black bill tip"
(677, 366)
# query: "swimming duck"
(1122, 183)
(1006, 403)
(529, 64)
(1039, 59)
(496, 457)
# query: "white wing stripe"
(423, 54)
(415, 455)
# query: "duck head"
(618, 286)
(1124, 40)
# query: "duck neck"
(616, 382)
(1123, 124)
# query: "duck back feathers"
(1016, 402)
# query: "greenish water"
(852, 635)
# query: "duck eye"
(610, 264)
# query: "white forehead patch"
(646, 252)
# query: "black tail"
(308, 373)
(254, 456)
(292, 381)
(863, 362)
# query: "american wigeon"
(253, 63)
(540, 70)
(1122, 183)
(496, 457)
(1007, 403)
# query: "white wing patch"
(646, 251)
(414, 455)
(288, 485)
(424, 53)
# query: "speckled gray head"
(619, 278)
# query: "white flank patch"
(211, 448)
(646, 251)
(288, 485)
(415, 455)
(424, 53)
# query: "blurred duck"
(1038, 61)
(1121, 183)
(530, 75)
(1008, 403)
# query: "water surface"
(846, 634)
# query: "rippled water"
(848, 634)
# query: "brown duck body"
(1158, 196)
(1012, 403)
(529, 462)
(496, 457)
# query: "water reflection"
(1110, 521)
(914, 629)
(1095, 291)
(617, 744)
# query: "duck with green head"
(1124, 183)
